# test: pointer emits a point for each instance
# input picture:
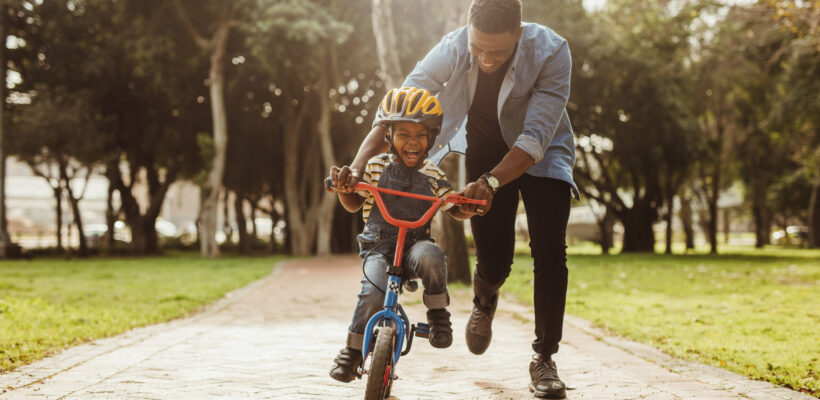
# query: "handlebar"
(455, 199)
(437, 202)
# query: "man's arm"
(547, 104)
(372, 145)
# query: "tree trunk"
(253, 224)
(727, 225)
(686, 220)
(216, 48)
(4, 234)
(638, 234)
(227, 229)
(327, 204)
(300, 234)
(606, 227)
(668, 220)
(763, 223)
(814, 215)
(713, 212)
(241, 224)
(449, 233)
(389, 68)
(110, 220)
(58, 196)
(75, 210)
(216, 75)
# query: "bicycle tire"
(379, 380)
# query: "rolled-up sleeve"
(547, 105)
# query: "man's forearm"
(372, 145)
(514, 164)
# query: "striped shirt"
(376, 165)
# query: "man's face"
(492, 50)
(410, 141)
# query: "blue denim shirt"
(531, 103)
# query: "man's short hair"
(495, 16)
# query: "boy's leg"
(371, 300)
(428, 262)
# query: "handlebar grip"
(329, 186)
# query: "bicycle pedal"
(422, 330)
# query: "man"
(504, 86)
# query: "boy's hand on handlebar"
(480, 191)
(344, 178)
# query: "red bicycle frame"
(405, 225)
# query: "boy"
(412, 118)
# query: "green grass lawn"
(49, 304)
(755, 312)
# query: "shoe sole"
(477, 348)
(544, 395)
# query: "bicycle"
(387, 330)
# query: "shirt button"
(440, 146)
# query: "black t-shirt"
(485, 144)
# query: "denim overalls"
(422, 258)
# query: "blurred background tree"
(674, 106)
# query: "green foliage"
(749, 311)
(50, 304)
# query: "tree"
(216, 47)
(53, 139)
(298, 41)
(628, 115)
(795, 116)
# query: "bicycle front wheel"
(379, 378)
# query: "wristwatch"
(492, 181)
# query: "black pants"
(547, 203)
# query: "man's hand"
(479, 190)
(345, 178)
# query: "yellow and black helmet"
(410, 104)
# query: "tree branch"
(200, 40)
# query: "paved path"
(277, 337)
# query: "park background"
(140, 132)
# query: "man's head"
(413, 118)
(495, 27)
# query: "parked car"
(791, 235)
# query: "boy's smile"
(410, 141)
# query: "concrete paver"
(276, 339)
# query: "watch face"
(493, 181)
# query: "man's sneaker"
(345, 365)
(479, 327)
(441, 332)
(545, 383)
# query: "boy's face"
(410, 142)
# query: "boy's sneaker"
(545, 383)
(441, 332)
(345, 365)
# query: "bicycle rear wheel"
(379, 379)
